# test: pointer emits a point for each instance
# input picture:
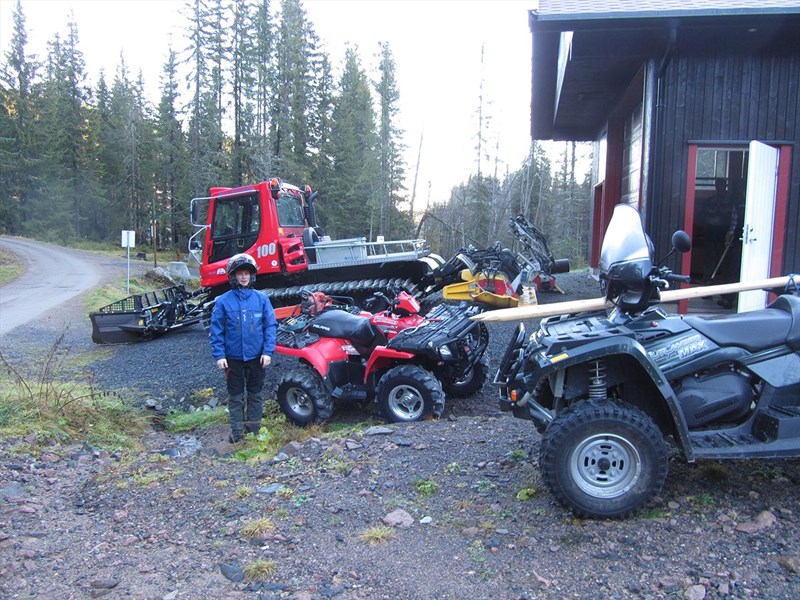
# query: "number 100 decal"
(265, 250)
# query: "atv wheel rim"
(605, 466)
(299, 402)
(465, 378)
(406, 402)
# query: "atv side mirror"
(681, 241)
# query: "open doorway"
(719, 204)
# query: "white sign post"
(128, 241)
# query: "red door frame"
(779, 223)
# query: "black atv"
(610, 390)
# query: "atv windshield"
(625, 259)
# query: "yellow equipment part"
(477, 289)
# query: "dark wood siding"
(730, 99)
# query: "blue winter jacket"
(243, 325)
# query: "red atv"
(390, 354)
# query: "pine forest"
(80, 163)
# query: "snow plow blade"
(141, 317)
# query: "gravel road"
(52, 277)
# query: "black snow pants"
(245, 411)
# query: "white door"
(759, 215)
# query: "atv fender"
(549, 364)
(383, 358)
(319, 355)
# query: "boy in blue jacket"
(242, 338)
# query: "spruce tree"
(71, 186)
(171, 157)
(19, 131)
(289, 109)
(352, 196)
(391, 148)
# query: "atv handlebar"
(665, 276)
(678, 278)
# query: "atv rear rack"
(147, 315)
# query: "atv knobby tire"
(303, 397)
(409, 393)
(603, 460)
(472, 381)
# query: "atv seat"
(791, 304)
(359, 331)
(754, 330)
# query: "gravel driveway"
(467, 514)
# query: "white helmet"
(239, 261)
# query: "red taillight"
(513, 395)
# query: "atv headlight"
(445, 352)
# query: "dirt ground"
(448, 509)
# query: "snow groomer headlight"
(445, 352)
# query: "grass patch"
(453, 468)
(375, 536)
(517, 455)
(179, 421)
(259, 570)
(145, 478)
(105, 295)
(526, 493)
(257, 528)
(337, 464)
(65, 408)
(767, 472)
(244, 491)
(702, 501)
(426, 488)
(275, 433)
(11, 266)
(477, 551)
(655, 513)
(483, 485)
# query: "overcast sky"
(436, 45)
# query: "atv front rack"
(444, 323)
(147, 315)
